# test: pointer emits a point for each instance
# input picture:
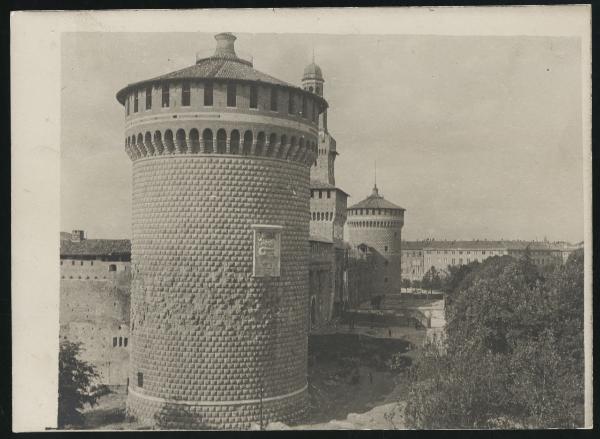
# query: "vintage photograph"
(321, 231)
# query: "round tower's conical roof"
(224, 64)
(312, 71)
(375, 201)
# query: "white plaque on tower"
(267, 250)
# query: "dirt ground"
(350, 386)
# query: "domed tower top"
(312, 78)
(374, 204)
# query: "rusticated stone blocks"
(207, 336)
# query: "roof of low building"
(375, 201)
(95, 247)
(317, 184)
(480, 245)
(224, 64)
(315, 238)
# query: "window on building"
(135, 101)
(328, 193)
(291, 104)
(253, 96)
(61, 262)
(320, 193)
(165, 95)
(386, 248)
(385, 263)
(140, 379)
(385, 279)
(148, 97)
(315, 113)
(231, 94)
(72, 262)
(91, 262)
(112, 267)
(125, 342)
(120, 341)
(185, 94)
(80, 262)
(114, 342)
(208, 94)
(127, 107)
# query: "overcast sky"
(476, 137)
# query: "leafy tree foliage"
(513, 352)
(75, 384)
(432, 280)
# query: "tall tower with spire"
(328, 202)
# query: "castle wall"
(95, 312)
(321, 272)
(206, 334)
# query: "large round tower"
(219, 300)
(375, 225)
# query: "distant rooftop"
(93, 247)
(317, 184)
(485, 245)
(375, 201)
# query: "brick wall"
(206, 335)
(385, 242)
(95, 312)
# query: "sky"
(476, 137)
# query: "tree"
(432, 280)
(75, 380)
(513, 352)
(405, 283)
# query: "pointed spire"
(375, 192)
(375, 166)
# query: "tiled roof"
(317, 184)
(214, 67)
(95, 247)
(319, 239)
(375, 201)
(413, 245)
(481, 245)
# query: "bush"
(75, 384)
(513, 351)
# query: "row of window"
(320, 192)
(82, 278)
(120, 341)
(111, 267)
(322, 216)
(468, 252)
(374, 212)
(232, 99)
(374, 223)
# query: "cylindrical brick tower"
(219, 303)
(377, 224)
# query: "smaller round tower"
(375, 225)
